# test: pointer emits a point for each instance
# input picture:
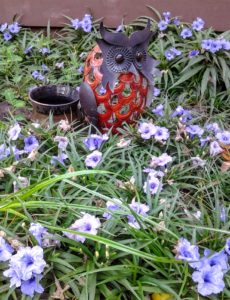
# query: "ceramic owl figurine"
(118, 79)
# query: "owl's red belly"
(124, 104)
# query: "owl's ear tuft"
(114, 38)
(141, 36)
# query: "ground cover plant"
(139, 215)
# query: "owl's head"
(123, 54)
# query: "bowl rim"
(51, 105)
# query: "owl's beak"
(134, 71)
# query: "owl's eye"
(119, 58)
(139, 56)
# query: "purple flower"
(28, 50)
(215, 148)
(62, 142)
(80, 69)
(38, 231)
(44, 50)
(29, 287)
(7, 36)
(187, 252)
(198, 24)
(14, 28)
(75, 23)
(38, 75)
(86, 23)
(186, 33)
(223, 137)
(215, 46)
(94, 141)
(161, 160)
(206, 44)
(159, 110)
(169, 55)
(45, 68)
(14, 132)
(147, 130)
(153, 173)
(203, 141)
(31, 143)
(3, 27)
(102, 90)
(175, 51)
(161, 134)
(153, 184)
(194, 130)
(5, 250)
(156, 92)
(216, 259)
(212, 127)
(93, 159)
(167, 16)
(60, 158)
(112, 206)
(227, 246)
(4, 152)
(162, 25)
(225, 44)
(176, 21)
(210, 280)
(179, 111)
(198, 162)
(139, 209)
(16, 152)
(222, 214)
(25, 264)
(87, 224)
(193, 53)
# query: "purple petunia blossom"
(44, 50)
(167, 16)
(175, 51)
(162, 25)
(13, 132)
(153, 185)
(153, 173)
(147, 130)
(75, 23)
(62, 142)
(80, 70)
(24, 265)
(206, 44)
(194, 130)
(225, 44)
(7, 36)
(60, 158)
(187, 252)
(169, 55)
(215, 259)
(193, 53)
(215, 148)
(4, 151)
(161, 134)
(3, 27)
(93, 159)
(215, 46)
(86, 23)
(186, 33)
(38, 231)
(223, 137)
(179, 111)
(160, 161)
(210, 280)
(87, 224)
(159, 110)
(94, 141)
(16, 152)
(14, 28)
(227, 246)
(212, 127)
(139, 209)
(45, 68)
(5, 250)
(31, 143)
(198, 24)
(156, 92)
(112, 206)
(38, 75)
(29, 287)
(176, 21)
(203, 141)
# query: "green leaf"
(204, 82)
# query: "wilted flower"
(187, 252)
(153, 185)
(194, 130)
(159, 110)
(215, 148)
(123, 143)
(64, 125)
(112, 206)
(93, 159)
(94, 141)
(31, 143)
(147, 130)
(14, 132)
(60, 65)
(162, 25)
(223, 137)
(198, 24)
(186, 33)
(88, 224)
(21, 182)
(38, 231)
(160, 161)
(62, 142)
(139, 209)
(161, 133)
(210, 280)
(198, 162)
(5, 250)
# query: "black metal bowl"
(58, 99)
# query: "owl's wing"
(88, 103)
